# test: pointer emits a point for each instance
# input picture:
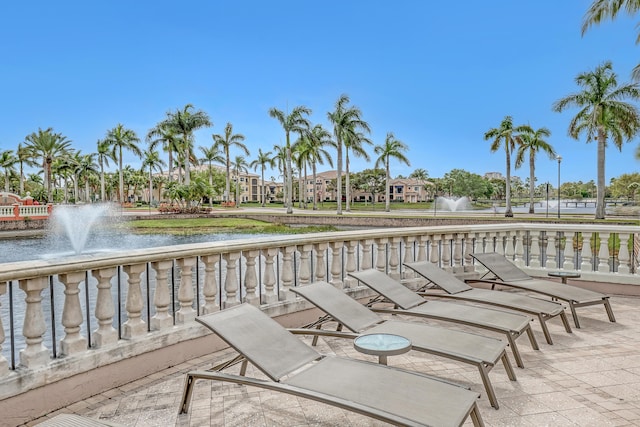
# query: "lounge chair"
(456, 288)
(407, 302)
(388, 394)
(508, 274)
(477, 350)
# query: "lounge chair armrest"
(323, 333)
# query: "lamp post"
(559, 159)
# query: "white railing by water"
(89, 308)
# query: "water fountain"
(453, 205)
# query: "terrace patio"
(588, 378)
(120, 346)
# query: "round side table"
(382, 345)
(564, 275)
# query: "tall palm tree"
(7, 162)
(353, 141)
(24, 159)
(151, 160)
(210, 155)
(86, 167)
(609, 9)
(603, 113)
(46, 146)
(293, 122)
(106, 152)
(392, 148)
(531, 143)
(122, 138)
(315, 142)
(162, 134)
(280, 159)
(263, 161)
(239, 165)
(345, 120)
(184, 123)
(505, 136)
(224, 143)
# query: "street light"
(559, 159)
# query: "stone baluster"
(434, 255)
(509, 250)
(287, 276)
(518, 254)
(105, 334)
(304, 273)
(568, 251)
(350, 282)
(231, 279)
(586, 264)
(457, 253)
(603, 254)
(468, 250)
(73, 342)
(394, 258)
(210, 286)
(366, 262)
(381, 256)
(4, 365)
(336, 264)
(551, 254)
(534, 260)
(134, 326)
(35, 353)
(270, 295)
(446, 252)
(499, 243)
(623, 254)
(186, 312)
(422, 248)
(161, 296)
(251, 277)
(408, 256)
(478, 248)
(321, 262)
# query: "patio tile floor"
(588, 378)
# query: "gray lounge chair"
(392, 395)
(456, 288)
(512, 325)
(477, 350)
(72, 420)
(508, 274)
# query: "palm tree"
(345, 120)
(106, 152)
(603, 114)
(263, 160)
(293, 122)
(609, 9)
(421, 175)
(224, 143)
(353, 140)
(7, 161)
(210, 155)
(122, 138)
(280, 159)
(315, 153)
(86, 167)
(239, 165)
(505, 135)
(184, 123)
(164, 135)
(530, 143)
(392, 148)
(151, 159)
(46, 146)
(24, 159)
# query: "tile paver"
(588, 378)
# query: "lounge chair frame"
(408, 303)
(296, 369)
(505, 273)
(434, 276)
(359, 319)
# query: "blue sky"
(436, 74)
